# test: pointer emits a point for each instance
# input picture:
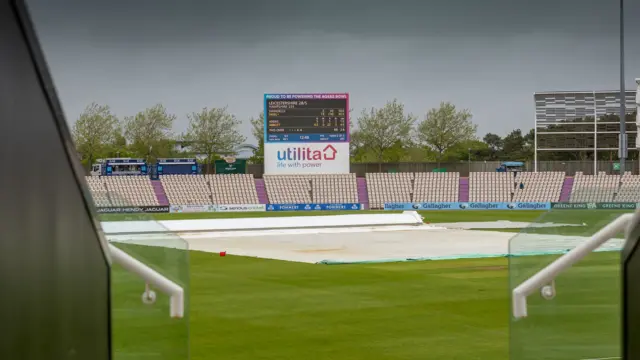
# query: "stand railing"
(544, 279)
(151, 277)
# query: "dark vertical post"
(623, 97)
(54, 265)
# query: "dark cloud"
(152, 21)
(489, 56)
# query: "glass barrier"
(142, 326)
(578, 315)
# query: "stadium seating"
(491, 186)
(130, 191)
(389, 187)
(436, 187)
(186, 189)
(342, 188)
(233, 189)
(288, 189)
(594, 188)
(334, 189)
(98, 191)
(320, 189)
(538, 186)
(629, 188)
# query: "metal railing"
(152, 277)
(544, 279)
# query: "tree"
(149, 131)
(495, 144)
(213, 132)
(472, 150)
(445, 127)
(529, 144)
(356, 147)
(257, 130)
(514, 146)
(380, 130)
(95, 130)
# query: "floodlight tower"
(622, 150)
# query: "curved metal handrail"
(549, 273)
(152, 277)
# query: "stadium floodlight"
(546, 276)
(152, 277)
(623, 124)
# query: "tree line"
(387, 134)
(444, 134)
(98, 133)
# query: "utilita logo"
(305, 153)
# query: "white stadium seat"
(389, 187)
(306, 189)
(436, 187)
(186, 189)
(594, 188)
(130, 191)
(538, 186)
(229, 189)
(342, 188)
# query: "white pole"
(623, 98)
(535, 134)
(152, 277)
(535, 148)
(549, 273)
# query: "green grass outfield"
(245, 308)
(432, 216)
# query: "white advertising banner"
(192, 208)
(306, 158)
(242, 207)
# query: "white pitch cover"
(306, 158)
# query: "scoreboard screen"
(306, 117)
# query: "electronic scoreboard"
(306, 118)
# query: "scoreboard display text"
(306, 117)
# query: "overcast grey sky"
(489, 56)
